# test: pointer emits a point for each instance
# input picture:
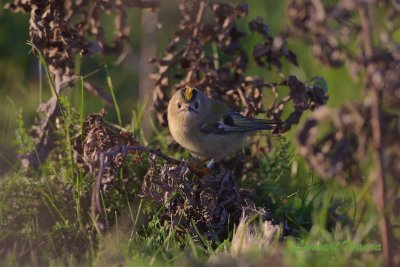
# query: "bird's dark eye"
(179, 105)
(196, 105)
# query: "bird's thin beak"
(190, 109)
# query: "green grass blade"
(82, 111)
(111, 87)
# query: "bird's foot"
(200, 171)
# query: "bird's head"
(188, 103)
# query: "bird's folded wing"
(234, 122)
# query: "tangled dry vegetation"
(204, 206)
(206, 52)
(210, 202)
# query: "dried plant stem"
(95, 203)
(366, 30)
(200, 14)
(386, 228)
(376, 123)
(148, 49)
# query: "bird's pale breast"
(206, 145)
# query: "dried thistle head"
(98, 136)
(208, 205)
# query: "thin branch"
(376, 123)
(268, 85)
(366, 29)
(199, 17)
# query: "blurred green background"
(22, 86)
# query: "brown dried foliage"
(99, 136)
(311, 18)
(303, 97)
(314, 21)
(205, 207)
(208, 204)
(339, 151)
(206, 53)
(60, 30)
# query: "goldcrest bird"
(208, 129)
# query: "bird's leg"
(202, 171)
(238, 161)
(211, 164)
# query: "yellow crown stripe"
(188, 93)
